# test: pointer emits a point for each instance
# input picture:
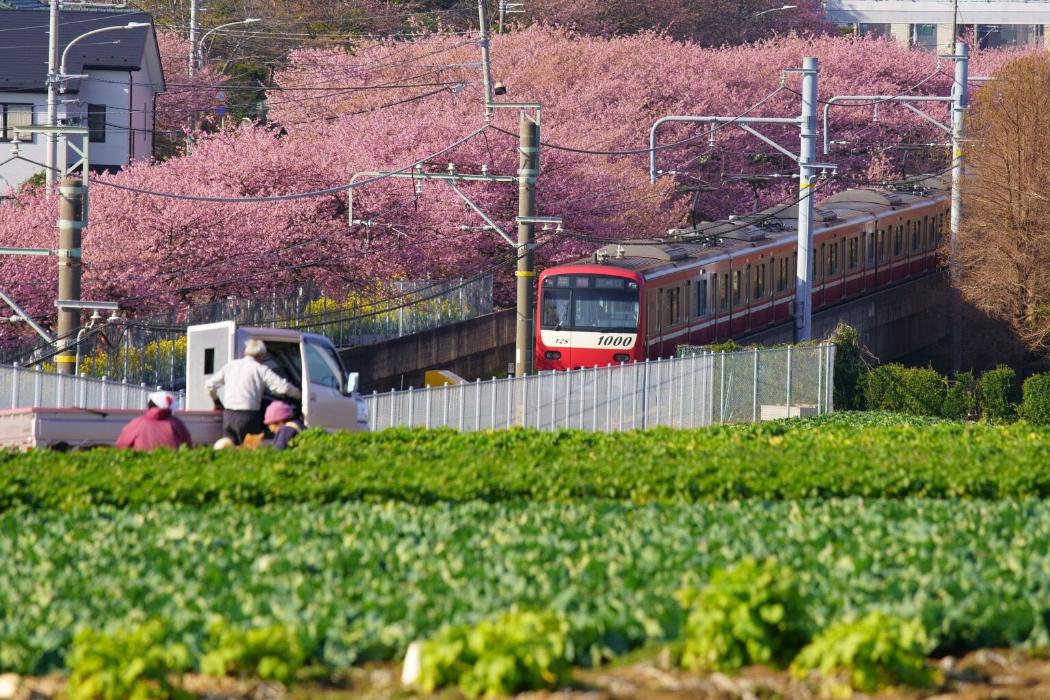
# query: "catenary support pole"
(52, 94)
(528, 170)
(807, 151)
(486, 65)
(960, 93)
(69, 225)
(194, 30)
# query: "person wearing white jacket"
(245, 380)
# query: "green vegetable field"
(366, 579)
(350, 547)
(871, 455)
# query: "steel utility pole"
(806, 173)
(528, 169)
(52, 94)
(69, 229)
(194, 7)
(960, 100)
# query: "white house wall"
(113, 89)
(15, 172)
(141, 117)
(937, 12)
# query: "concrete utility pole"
(69, 230)
(52, 94)
(528, 170)
(806, 173)
(960, 100)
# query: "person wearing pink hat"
(157, 427)
(280, 419)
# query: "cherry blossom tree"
(390, 103)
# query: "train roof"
(716, 239)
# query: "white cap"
(162, 399)
(254, 347)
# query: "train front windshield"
(591, 303)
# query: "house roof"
(25, 70)
(22, 5)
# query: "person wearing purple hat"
(280, 419)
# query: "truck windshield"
(589, 303)
(325, 368)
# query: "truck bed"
(66, 428)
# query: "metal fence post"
(820, 378)
(722, 391)
(493, 386)
(461, 388)
(411, 408)
(375, 411)
(429, 392)
(477, 404)
(788, 382)
(14, 387)
(754, 389)
(645, 396)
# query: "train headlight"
(621, 357)
(552, 355)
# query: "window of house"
(12, 115)
(96, 123)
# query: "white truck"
(307, 360)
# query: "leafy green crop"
(875, 652)
(513, 652)
(127, 664)
(748, 614)
(876, 456)
(363, 580)
(274, 652)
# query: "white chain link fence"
(27, 388)
(687, 392)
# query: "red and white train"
(727, 279)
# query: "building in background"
(119, 75)
(928, 23)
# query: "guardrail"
(688, 392)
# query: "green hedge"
(997, 394)
(917, 390)
(1036, 405)
(844, 454)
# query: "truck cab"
(307, 360)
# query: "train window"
(724, 298)
(556, 308)
(898, 235)
(738, 283)
(854, 256)
(760, 281)
(701, 297)
(659, 309)
(673, 305)
(833, 258)
(882, 244)
(916, 236)
(870, 238)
